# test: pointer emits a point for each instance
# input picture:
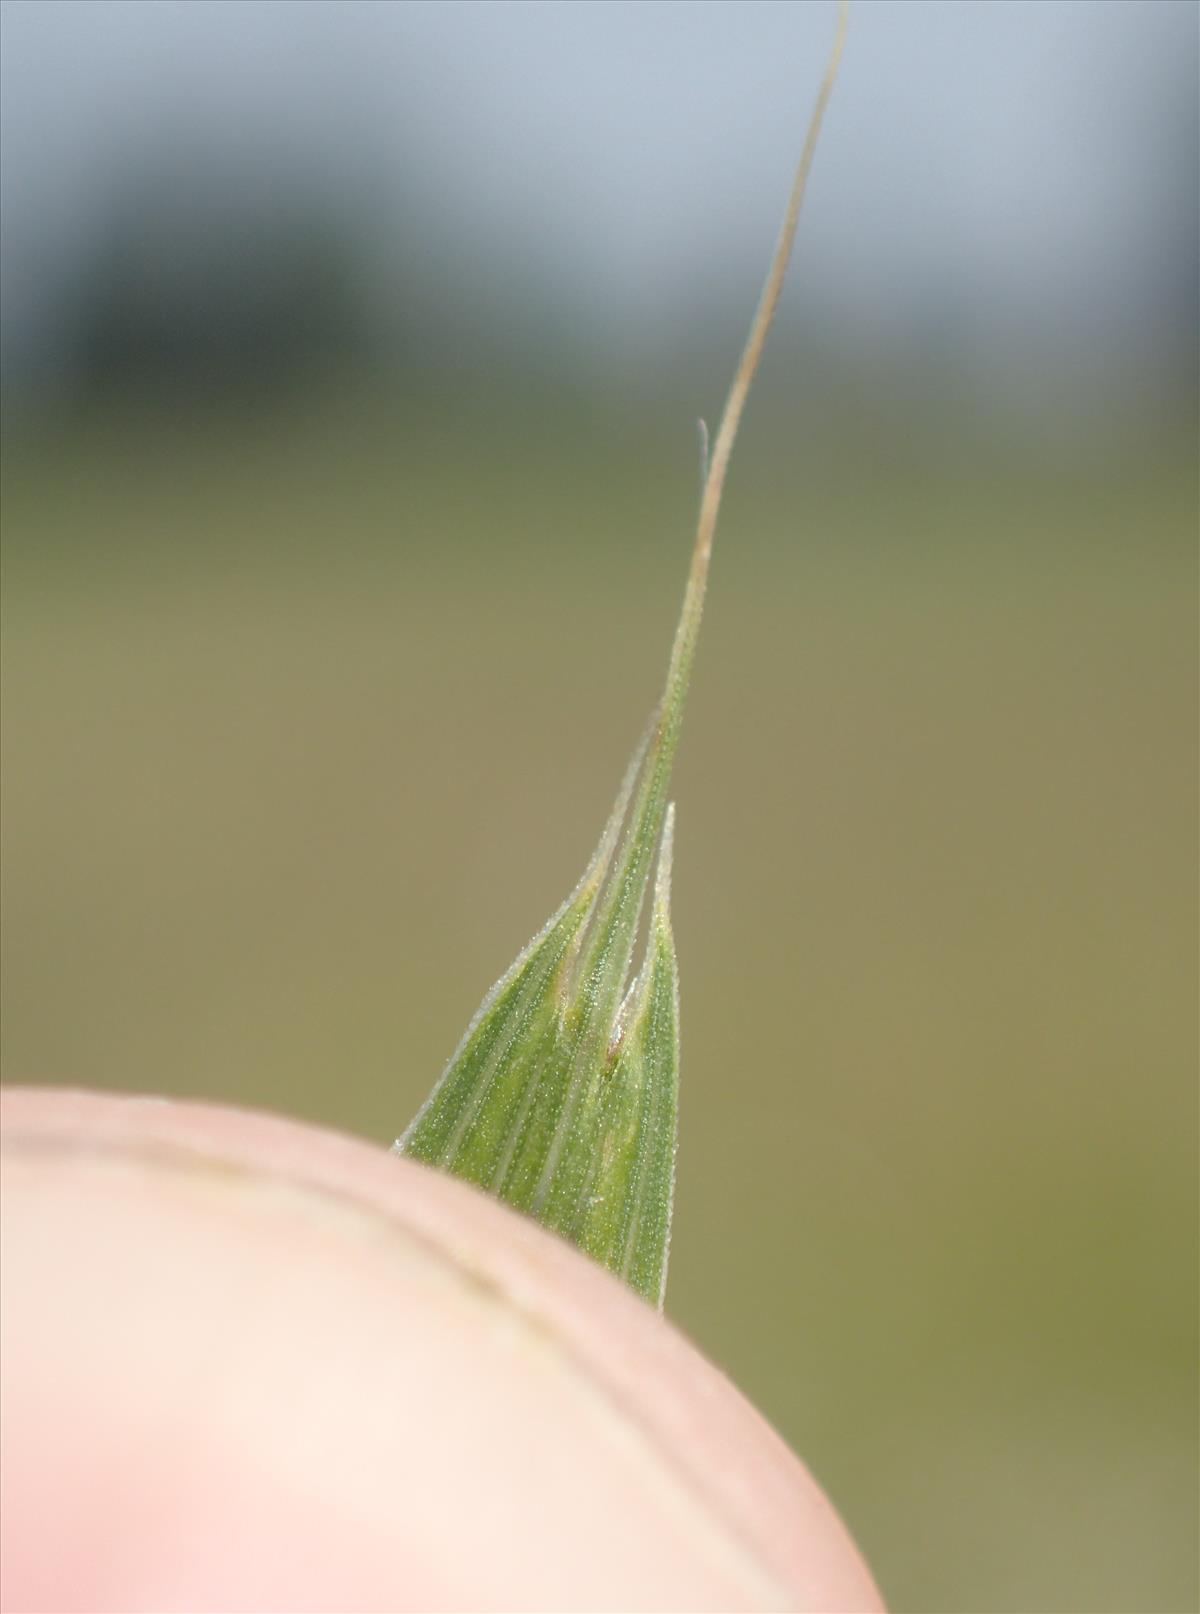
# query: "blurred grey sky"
(1010, 184)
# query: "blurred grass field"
(310, 717)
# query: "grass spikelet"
(562, 1097)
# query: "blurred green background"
(327, 633)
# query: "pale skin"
(251, 1364)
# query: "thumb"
(250, 1364)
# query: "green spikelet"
(562, 1097)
